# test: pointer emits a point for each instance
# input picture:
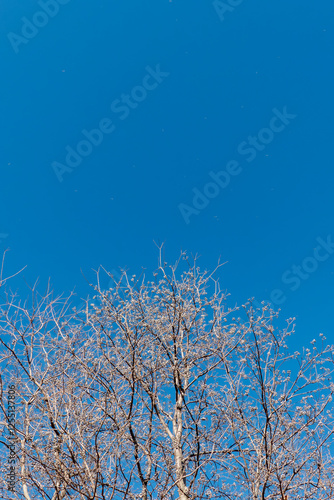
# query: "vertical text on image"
(11, 437)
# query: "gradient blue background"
(225, 79)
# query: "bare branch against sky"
(162, 392)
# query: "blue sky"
(180, 92)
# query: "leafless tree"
(279, 410)
(153, 391)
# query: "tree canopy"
(158, 390)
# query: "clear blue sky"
(185, 93)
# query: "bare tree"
(153, 391)
(278, 407)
